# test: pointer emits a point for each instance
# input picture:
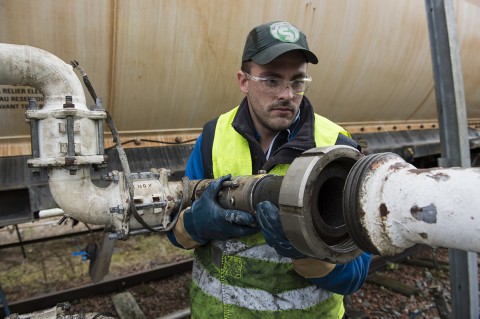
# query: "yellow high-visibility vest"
(244, 277)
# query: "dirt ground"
(51, 266)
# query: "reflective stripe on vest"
(255, 299)
(207, 306)
(244, 277)
(261, 252)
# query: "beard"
(282, 121)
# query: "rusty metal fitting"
(311, 203)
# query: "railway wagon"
(164, 68)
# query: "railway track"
(160, 279)
(157, 274)
(104, 287)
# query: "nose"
(286, 93)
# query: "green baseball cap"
(267, 41)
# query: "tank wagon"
(164, 68)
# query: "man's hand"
(268, 218)
(206, 220)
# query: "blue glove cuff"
(189, 225)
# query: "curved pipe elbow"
(29, 66)
(82, 200)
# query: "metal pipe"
(242, 192)
(82, 200)
(53, 212)
(389, 205)
(29, 66)
(311, 203)
(54, 125)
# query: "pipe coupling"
(310, 201)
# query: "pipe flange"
(311, 203)
(354, 215)
(62, 161)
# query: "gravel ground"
(374, 301)
(51, 267)
(155, 299)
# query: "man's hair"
(246, 66)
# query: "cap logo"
(285, 32)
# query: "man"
(244, 266)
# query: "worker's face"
(273, 112)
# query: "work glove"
(206, 220)
(268, 217)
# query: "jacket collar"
(289, 144)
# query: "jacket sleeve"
(346, 278)
(194, 169)
(345, 140)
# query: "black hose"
(86, 80)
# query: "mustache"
(282, 104)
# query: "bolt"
(68, 102)
(99, 104)
(32, 104)
(36, 171)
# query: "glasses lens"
(299, 86)
(276, 86)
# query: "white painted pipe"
(55, 79)
(69, 178)
(398, 206)
(29, 66)
(53, 212)
(82, 200)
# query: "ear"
(242, 81)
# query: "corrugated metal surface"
(172, 64)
